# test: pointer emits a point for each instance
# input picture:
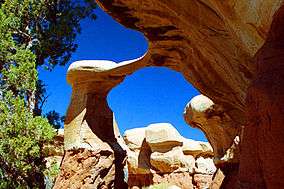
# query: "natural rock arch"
(213, 44)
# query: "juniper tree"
(32, 33)
(48, 28)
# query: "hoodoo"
(94, 155)
(227, 50)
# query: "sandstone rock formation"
(162, 137)
(94, 155)
(205, 166)
(220, 129)
(263, 141)
(134, 138)
(172, 160)
(174, 168)
(213, 44)
(164, 157)
(196, 148)
(210, 42)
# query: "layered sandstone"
(165, 157)
(94, 155)
(263, 140)
(201, 112)
(186, 165)
(213, 44)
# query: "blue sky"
(149, 95)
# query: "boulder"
(171, 161)
(135, 166)
(219, 128)
(179, 179)
(196, 148)
(134, 138)
(166, 166)
(205, 166)
(162, 137)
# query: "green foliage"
(21, 140)
(48, 27)
(21, 68)
(55, 119)
(21, 133)
(51, 173)
(32, 33)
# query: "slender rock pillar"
(94, 156)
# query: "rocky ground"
(158, 154)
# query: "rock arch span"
(213, 45)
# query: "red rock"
(202, 181)
(182, 180)
(262, 163)
(86, 169)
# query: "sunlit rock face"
(220, 129)
(162, 136)
(213, 44)
(210, 42)
(94, 150)
(164, 156)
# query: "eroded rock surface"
(91, 134)
(212, 43)
(262, 162)
(172, 160)
(162, 137)
(134, 138)
(166, 157)
(219, 128)
(221, 131)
